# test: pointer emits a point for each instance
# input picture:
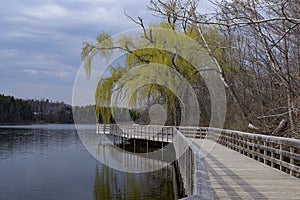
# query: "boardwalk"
(236, 176)
(240, 166)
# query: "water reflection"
(101, 147)
(49, 162)
(108, 185)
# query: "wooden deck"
(236, 176)
(240, 166)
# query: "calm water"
(49, 162)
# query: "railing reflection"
(102, 147)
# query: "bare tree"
(263, 39)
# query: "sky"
(41, 40)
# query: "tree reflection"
(102, 188)
(110, 184)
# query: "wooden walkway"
(236, 176)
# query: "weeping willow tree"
(144, 49)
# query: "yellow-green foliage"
(137, 55)
(104, 92)
(89, 50)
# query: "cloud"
(30, 71)
(41, 40)
(45, 12)
(7, 52)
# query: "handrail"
(241, 133)
(146, 132)
(277, 152)
(193, 168)
(191, 160)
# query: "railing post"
(172, 133)
(248, 147)
(292, 161)
(260, 159)
(258, 151)
(242, 145)
(281, 157)
(162, 151)
(235, 142)
(265, 152)
(152, 132)
(167, 135)
(272, 155)
(231, 141)
(253, 148)
(141, 130)
(147, 132)
(185, 165)
(239, 144)
(245, 146)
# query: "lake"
(41, 162)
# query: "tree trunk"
(282, 125)
(291, 111)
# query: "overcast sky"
(41, 41)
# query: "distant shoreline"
(31, 123)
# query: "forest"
(19, 111)
(255, 47)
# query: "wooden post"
(265, 153)
(141, 133)
(281, 157)
(123, 142)
(153, 132)
(167, 135)
(162, 151)
(147, 147)
(253, 148)
(240, 144)
(248, 147)
(244, 146)
(233, 142)
(228, 140)
(292, 161)
(272, 155)
(258, 151)
(260, 159)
